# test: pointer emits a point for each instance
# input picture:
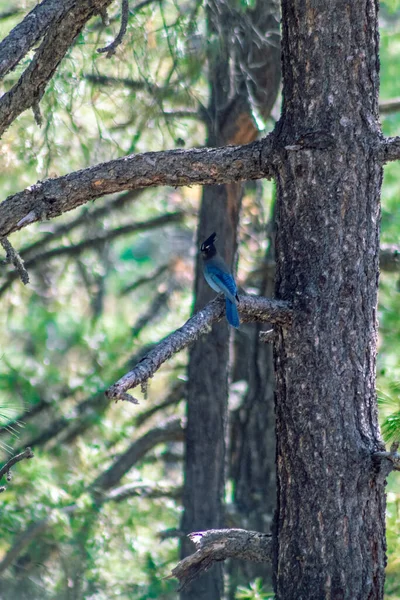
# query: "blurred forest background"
(107, 282)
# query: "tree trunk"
(330, 522)
(230, 121)
(252, 438)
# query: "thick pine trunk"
(330, 522)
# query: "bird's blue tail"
(232, 313)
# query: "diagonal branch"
(52, 197)
(169, 431)
(220, 544)
(252, 308)
(28, 91)
(27, 453)
(85, 217)
(24, 35)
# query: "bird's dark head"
(207, 248)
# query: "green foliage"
(255, 591)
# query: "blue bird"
(219, 278)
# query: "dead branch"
(52, 197)
(251, 308)
(24, 35)
(13, 257)
(219, 544)
(111, 48)
(27, 453)
(28, 91)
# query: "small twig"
(111, 48)
(27, 453)
(252, 308)
(168, 534)
(105, 19)
(37, 113)
(220, 544)
(14, 258)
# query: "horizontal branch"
(220, 544)
(392, 458)
(144, 491)
(53, 197)
(390, 149)
(251, 308)
(389, 106)
(389, 258)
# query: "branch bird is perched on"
(220, 279)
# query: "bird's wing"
(221, 282)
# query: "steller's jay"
(219, 278)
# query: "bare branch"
(94, 242)
(111, 48)
(390, 149)
(170, 431)
(28, 91)
(389, 258)
(154, 275)
(144, 491)
(252, 308)
(85, 217)
(220, 544)
(51, 198)
(13, 257)
(27, 453)
(389, 106)
(24, 35)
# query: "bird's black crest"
(208, 243)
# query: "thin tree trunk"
(229, 122)
(252, 440)
(330, 525)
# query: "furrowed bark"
(24, 35)
(252, 308)
(330, 523)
